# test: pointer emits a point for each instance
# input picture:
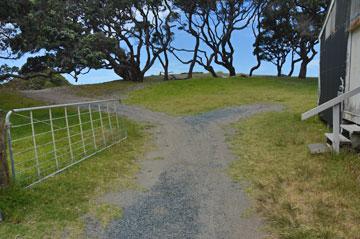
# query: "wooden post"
(4, 168)
(336, 128)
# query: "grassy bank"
(300, 196)
(104, 89)
(56, 207)
(201, 95)
(113, 89)
(10, 99)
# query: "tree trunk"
(305, 60)
(255, 67)
(293, 62)
(137, 76)
(130, 74)
(232, 71)
(303, 69)
(166, 74)
(193, 62)
(292, 69)
(4, 169)
(166, 67)
(191, 69)
(279, 71)
(211, 70)
(123, 73)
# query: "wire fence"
(44, 141)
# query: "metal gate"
(46, 140)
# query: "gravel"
(168, 210)
(188, 193)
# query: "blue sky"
(243, 61)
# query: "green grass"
(58, 205)
(201, 95)
(103, 89)
(113, 89)
(10, 99)
(301, 196)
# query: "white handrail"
(335, 104)
(329, 104)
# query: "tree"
(222, 19)
(9, 17)
(191, 11)
(164, 18)
(212, 23)
(273, 42)
(302, 20)
(256, 29)
(49, 30)
(137, 27)
(76, 36)
(9, 28)
(308, 17)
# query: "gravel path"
(188, 193)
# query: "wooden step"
(343, 139)
(351, 128)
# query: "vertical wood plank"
(4, 168)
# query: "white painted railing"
(335, 104)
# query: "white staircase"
(343, 140)
(343, 134)
(350, 134)
(350, 129)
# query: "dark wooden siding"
(333, 56)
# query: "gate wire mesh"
(44, 141)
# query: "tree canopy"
(289, 27)
(129, 36)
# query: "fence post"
(102, 124)
(81, 130)
(92, 126)
(53, 138)
(118, 130)
(35, 144)
(4, 168)
(68, 134)
(116, 115)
